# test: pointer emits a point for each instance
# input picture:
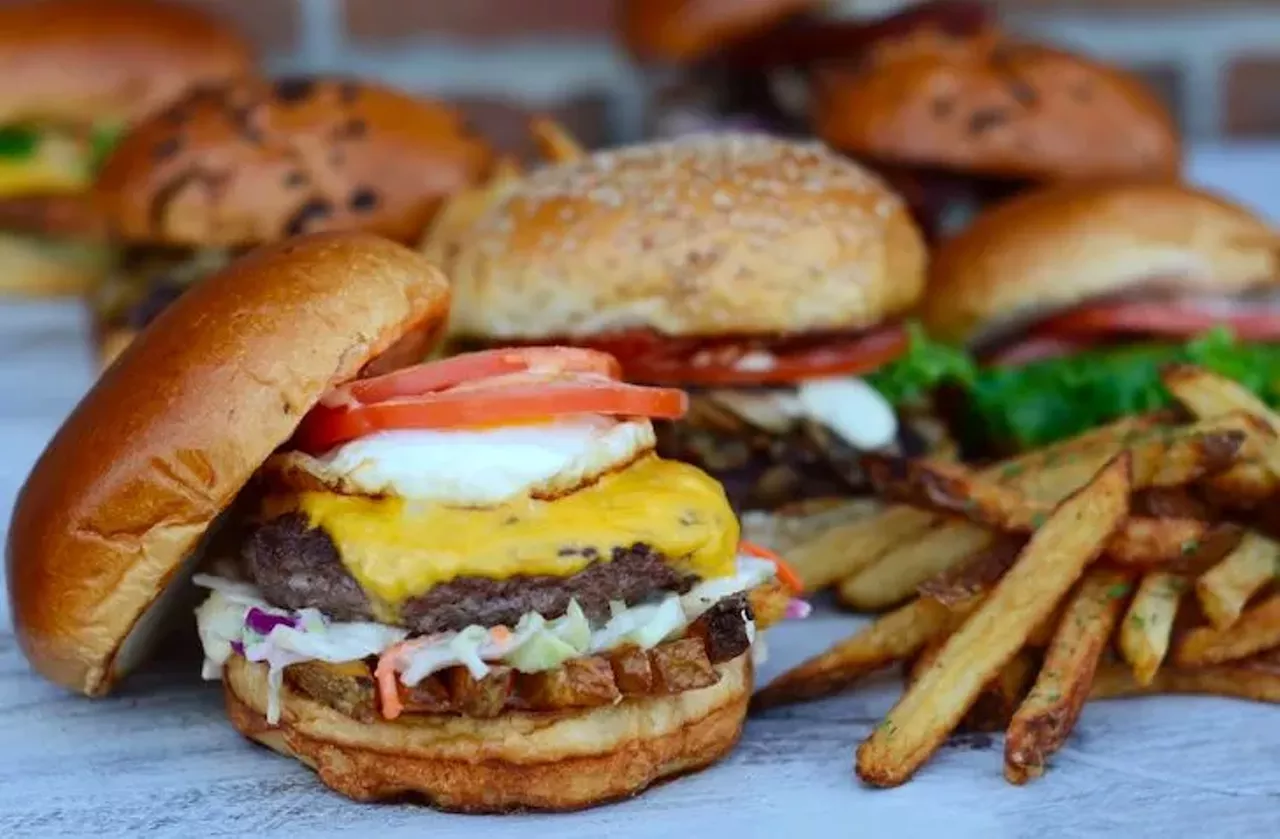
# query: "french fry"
(925, 659)
(1243, 486)
(1054, 558)
(948, 488)
(896, 575)
(1044, 721)
(846, 549)
(893, 637)
(1048, 475)
(1258, 681)
(1148, 625)
(782, 530)
(1208, 395)
(1256, 630)
(555, 143)
(976, 575)
(998, 701)
(1225, 588)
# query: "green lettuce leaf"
(925, 365)
(17, 142)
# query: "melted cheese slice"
(58, 165)
(398, 548)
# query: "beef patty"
(297, 566)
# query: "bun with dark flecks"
(982, 104)
(260, 160)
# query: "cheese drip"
(398, 548)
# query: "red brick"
(391, 19)
(1251, 100)
(273, 25)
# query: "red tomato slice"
(651, 358)
(326, 427)
(1173, 318)
(1035, 348)
(441, 375)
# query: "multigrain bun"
(85, 62)
(258, 161)
(1053, 248)
(161, 444)
(988, 106)
(683, 31)
(518, 761)
(727, 234)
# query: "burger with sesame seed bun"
(770, 277)
(77, 72)
(228, 168)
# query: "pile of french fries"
(1131, 560)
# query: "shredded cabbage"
(227, 618)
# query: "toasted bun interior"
(168, 435)
(517, 761)
(1060, 246)
(709, 235)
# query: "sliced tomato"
(326, 427)
(1035, 348)
(1181, 318)
(441, 375)
(648, 357)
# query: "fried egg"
(472, 467)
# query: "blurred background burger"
(229, 168)
(1074, 297)
(77, 73)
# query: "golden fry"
(1255, 680)
(1257, 629)
(976, 575)
(891, 638)
(1148, 625)
(846, 549)
(1225, 588)
(555, 143)
(1243, 486)
(1209, 396)
(896, 575)
(1055, 557)
(1044, 721)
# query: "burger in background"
(226, 169)
(771, 277)
(77, 73)
(747, 64)
(1074, 296)
(955, 122)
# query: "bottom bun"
(518, 761)
(33, 267)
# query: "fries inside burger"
(471, 580)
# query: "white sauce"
(851, 408)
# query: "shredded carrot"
(499, 634)
(385, 674)
(786, 574)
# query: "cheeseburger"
(956, 121)
(470, 580)
(77, 72)
(769, 276)
(1075, 296)
(229, 168)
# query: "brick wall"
(1218, 61)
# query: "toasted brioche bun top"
(715, 235)
(87, 61)
(164, 440)
(258, 160)
(1060, 246)
(682, 31)
(985, 105)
